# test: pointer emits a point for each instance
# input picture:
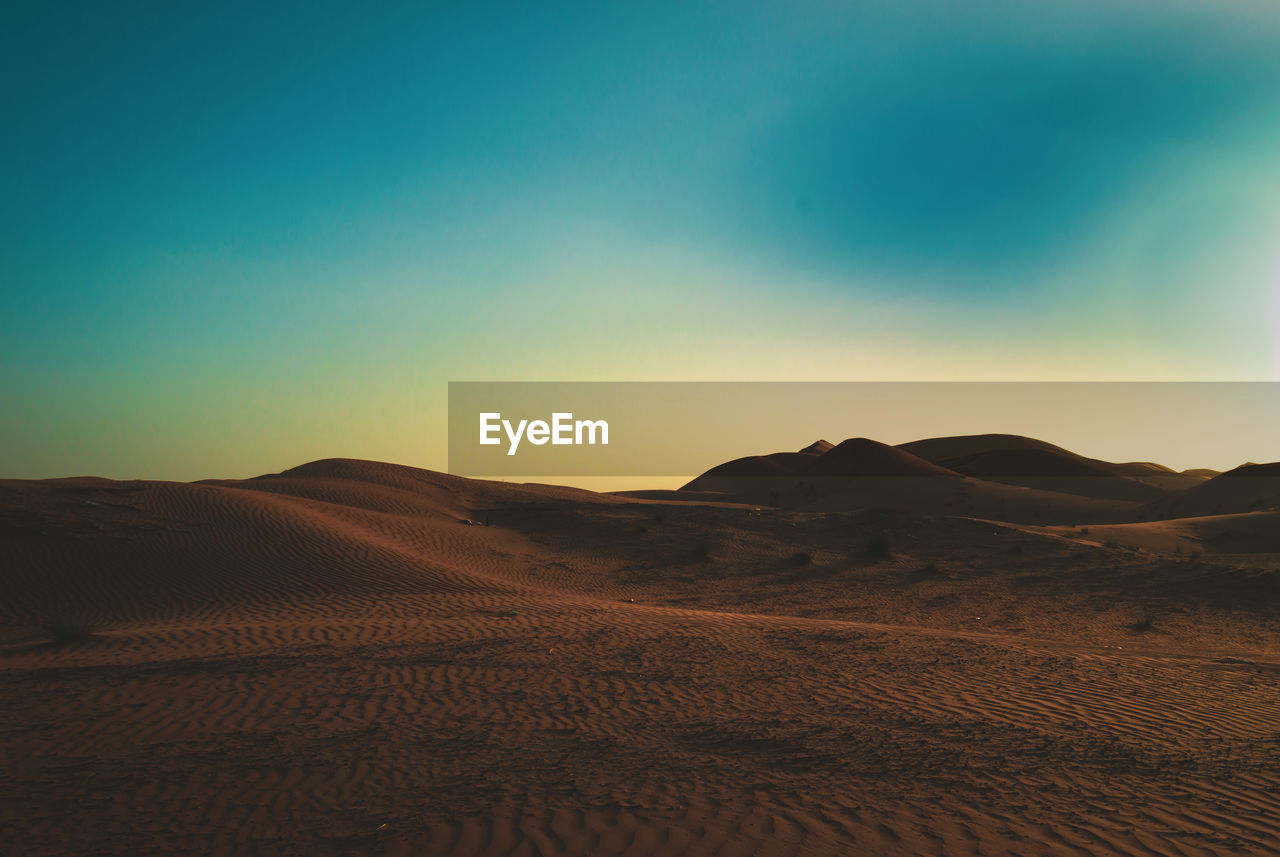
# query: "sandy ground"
(356, 658)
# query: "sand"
(356, 658)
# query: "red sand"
(345, 660)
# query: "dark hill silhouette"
(1253, 471)
(863, 473)
(1141, 467)
(940, 449)
(853, 457)
(1247, 488)
(1026, 461)
(773, 464)
(1016, 455)
(860, 456)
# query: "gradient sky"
(240, 237)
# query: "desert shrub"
(801, 558)
(63, 630)
(1143, 625)
(877, 546)
(930, 570)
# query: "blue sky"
(240, 236)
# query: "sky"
(235, 237)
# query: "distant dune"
(860, 456)
(1026, 462)
(1254, 471)
(1038, 464)
(1248, 488)
(939, 449)
(1009, 477)
(1015, 455)
(773, 464)
(853, 457)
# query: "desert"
(666, 429)
(351, 657)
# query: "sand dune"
(1049, 471)
(1016, 455)
(359, 658)
(1248, 488)
(1246, 533)
(1011, 478)
(1053, 481)
(774, 464)
(860, 456)
(1038, 464)
(1025, 462)
(937, 449)
(854, 457)
(923, 495)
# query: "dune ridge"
(1058, 485)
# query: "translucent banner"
(499, 429)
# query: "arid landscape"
(912, 650)
(565, 429)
